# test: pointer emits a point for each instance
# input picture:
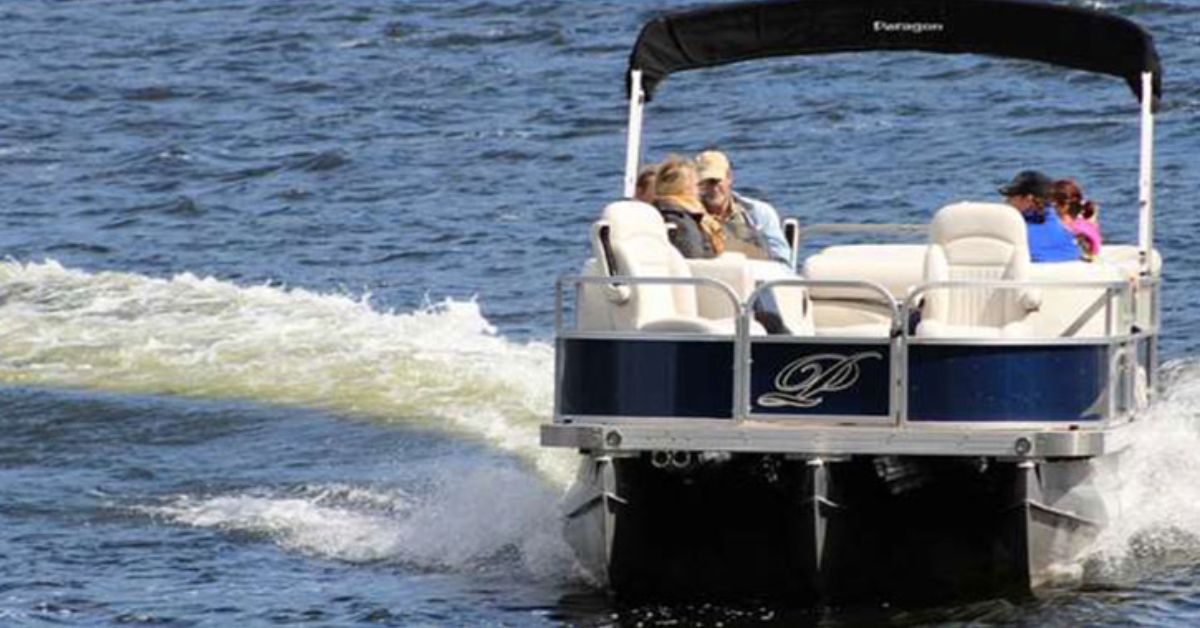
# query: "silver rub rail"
(816, 442)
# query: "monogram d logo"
(801, 383)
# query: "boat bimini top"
(1074, 37)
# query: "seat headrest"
(632, 218)
(986, 220)
(979, 232)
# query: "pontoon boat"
(912, 437)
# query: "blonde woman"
(677, 197)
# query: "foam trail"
(473, 519)
(442, 366)
(1153, 488)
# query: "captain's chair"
(630, 239)
(984, 241)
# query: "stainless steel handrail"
(1010, 284)
(1151, 285)
(911, 299)
(871, 286)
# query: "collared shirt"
(1049, 240)
(754, 229)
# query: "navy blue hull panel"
(820, 379)
(1006, 383)
(658, 378)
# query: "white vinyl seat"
(638, 247)
(855, 311)
(981, 241)
(895, 267)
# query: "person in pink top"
(1079, 215)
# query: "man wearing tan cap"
(751, 226)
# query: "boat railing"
(1147, 316)
(874, 228)
(895, 378)
(1115, 300)
(618, 289)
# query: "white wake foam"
(472, 519)
(1153, 489)
(441, 366)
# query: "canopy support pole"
(633, 146)
(1146, 179)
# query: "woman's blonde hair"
(678, 181)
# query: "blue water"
(278, 292)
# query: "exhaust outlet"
(660, 459)
(681, 459)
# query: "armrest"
(1031, 299)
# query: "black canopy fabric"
(1074, 37)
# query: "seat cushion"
(896, 267)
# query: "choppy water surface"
(275, 314)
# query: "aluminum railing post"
(633, 146)
(1146, 179)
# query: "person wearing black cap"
(1049, 239)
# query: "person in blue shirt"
(1049, 239)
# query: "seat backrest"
(632, 237)
(896, 267)
(984, 241)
